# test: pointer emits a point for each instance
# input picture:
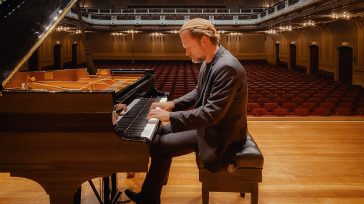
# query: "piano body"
(56, 126)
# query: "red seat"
(303, 95)
(331, 100)
(301, 111)
(289, 106)
(308, 105)
(314, 100)
(297, 100)
(259, 111)
(288, 96)
(263, 100)
(327, 105)
(359, 111)
(321, 112)
(270, 106)
(271, 95)
(251, 106)
(280, 101)
(318, 95)
(346, 104)
(343, 111)
(280, 112)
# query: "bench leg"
(205, 195)
(254, 194)
(242, 194)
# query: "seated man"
(216, 126)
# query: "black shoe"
(139, 198)
(136, 197)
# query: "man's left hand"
(160, 114)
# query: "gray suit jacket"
(219, 113)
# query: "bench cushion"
(250, 155)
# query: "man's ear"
(203, 40)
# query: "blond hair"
(199, 27)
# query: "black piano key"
(135, 120)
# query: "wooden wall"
(246, 46)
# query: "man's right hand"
(168, 106)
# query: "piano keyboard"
(133, 123)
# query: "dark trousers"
(166, 146)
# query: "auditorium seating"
(273, 90)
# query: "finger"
(124, 107)
(152, 106)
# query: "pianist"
(216, 125)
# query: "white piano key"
(152, 124)
(129, 107)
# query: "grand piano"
(56, 126)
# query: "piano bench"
(248, 173)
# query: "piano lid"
(24, 26)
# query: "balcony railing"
(177, 16)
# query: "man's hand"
(167, 106)
(118, 108)
(160, 114)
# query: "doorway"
(278, 61)
(346, 64)
(314, 59)
(292, 51)
(33, 61)
(57, 61)
(74, 54)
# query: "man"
(215, 128)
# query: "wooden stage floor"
(306, 162)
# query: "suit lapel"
(207, 76)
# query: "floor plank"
(316, 162)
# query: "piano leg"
(106, 182)
(111, 196)
(60, 197)
(77, 196)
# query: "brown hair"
(199, 27)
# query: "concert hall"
(182, 101)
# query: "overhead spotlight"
(308, 23)
(60, 28)
(132, 31)
(174, 31)
(156, 34)
(346, 15)
(271, 31)
(343, 15)
(285, 28)
(117, 34)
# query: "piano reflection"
(56, 126)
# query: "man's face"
(193, 47)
